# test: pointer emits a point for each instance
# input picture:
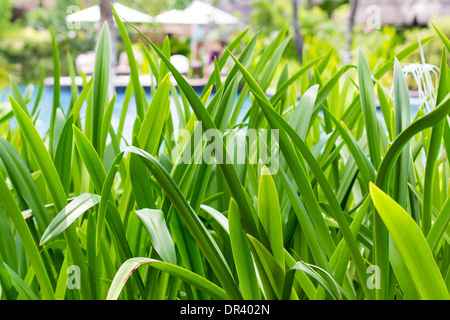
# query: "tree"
(350, 32)
(180, 4)
(269, 16)
(5, 16)
(330, 5)
(298, 35)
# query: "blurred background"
(379, 27)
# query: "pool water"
(46, 102)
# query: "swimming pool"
(46, 102)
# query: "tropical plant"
(353, 207)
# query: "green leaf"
(281, 89)
(187, 276)
(73, 84)
(402, 119)
(384, 171)
(90, 158)
(270, 215)
(17, 95)
(242, 255)
(326, 89)
(385, 108)
(107, 121)
(134, 72)
(101, 86)
(301, 117)
(154, 223)
(27, 240)
(105, 196)
(198, 230)
(369, 109)
(56, 93)
(54, 185)
(223, 59)
(439, 226)
(75, 112)
(63, 154)
(434, 150)
(163, 70)
(429, 120)
(6, 283)
(22, 181)
(411, 245)
(153, 122)
(364, 165)
(269, 270)
(202, 114)
(216, 215)
(304, 220)
(322, 277)
(384, 68)
(22, 288)
(294, 164)
(69, 214)
(286, 132)
(442, 36)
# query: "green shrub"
(432, 51)
(344, 202)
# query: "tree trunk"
(298, 35)
(350, 32)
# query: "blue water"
(46, 103)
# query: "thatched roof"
(400, 12)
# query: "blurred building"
(400, 12)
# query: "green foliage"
(5, 17)
(348, 189)
(431, 52)
(269, 16)
(323, 32)
(25, 45)
(30, 49)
